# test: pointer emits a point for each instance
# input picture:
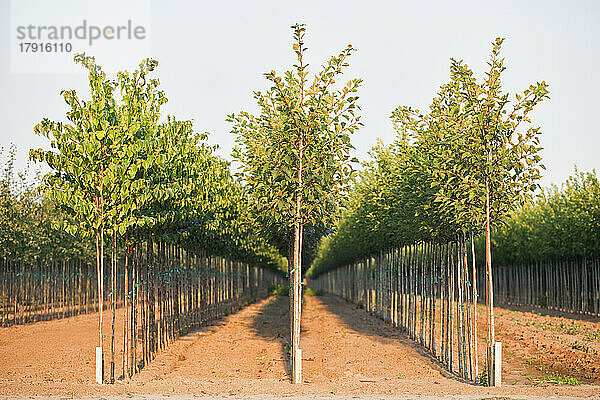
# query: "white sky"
(212, 55)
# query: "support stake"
(497, 364)
(99, 366)
(297, 378)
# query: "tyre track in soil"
(346, 352)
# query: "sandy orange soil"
(541, 344)
(347, 353)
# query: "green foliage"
(563, 223)
(294, 155)
(542, 300)
(310, 292)
(431, 184)
(484, 377)
(28, 220)
(472, 138)
(562, 380)
(278, 290)
(116, 168)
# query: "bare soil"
(540, 344)
(346, 353)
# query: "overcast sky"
(212, 56)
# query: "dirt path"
(346, 352)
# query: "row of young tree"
(160, 209)
(548, 252)
(425, 288)
(28, 219)
(123, 180)
(45, 272)
(32, 291)
(453, 172)
(563, 223)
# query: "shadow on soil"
(272, 323)
(369, 324)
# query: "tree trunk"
(125, 363)
(490, 286)
(295, 297)
(100, 278)
(113, 298)
(474, 301)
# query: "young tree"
(78, 178)
(96, 157)
(479, 159)
(295, 157)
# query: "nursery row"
(174, 238)
(426, 289)
(451, 175)
(169, 290)
(31, 292)
(161, 289)
(546, 253)
(562, 224)
(571, 286)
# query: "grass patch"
(572, 328)
(593, 335)
(554, 378)
(562, 380)
(532, 360)
(484, 377)
(517, 320)
(310, 292)
(278, 290)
